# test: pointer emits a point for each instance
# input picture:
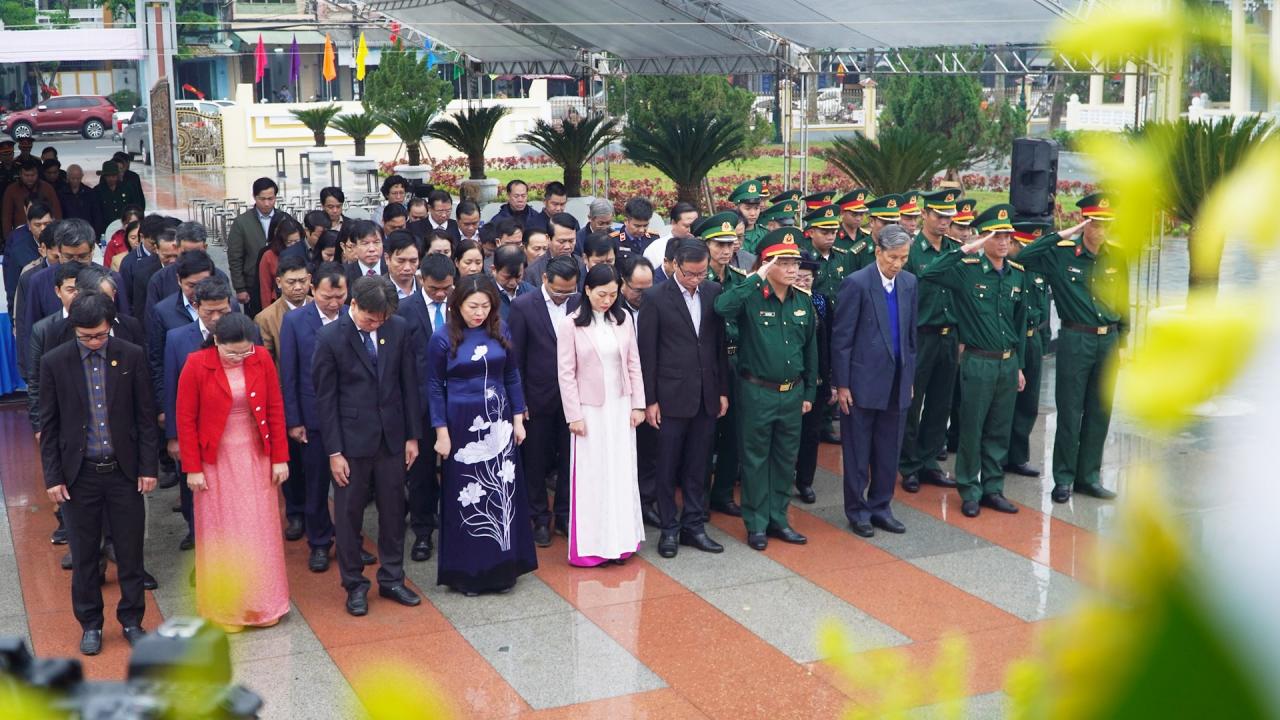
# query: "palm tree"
(573, 145)
(410, 123)
(468, 132)
(686, 148)
(1199, 154)
(357, 126)
(317, 120)
(898, 160)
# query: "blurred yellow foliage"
(394, 691)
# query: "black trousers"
(684, 450)
(647, 451)
(424, 487)
(870, 442)
(92, 495)
(382, 478)
(295, 488)
(316, 518)
(546, 450)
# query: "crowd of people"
(506, 381)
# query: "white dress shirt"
(887, 283)
(694, 303)
(325, 319)
(431, 310)
(558, 312)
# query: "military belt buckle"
(1104, 329)
(944, 331)
(732, 350)
(1006, 355)
(1031, 332)
(784, 387)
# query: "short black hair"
(49, 236)
(151, 225)
(264, 183)
(393, 211)
(679, 209)
(504, 226)
(131, 211)
(564, 267)
(398, 240)
(49, 148)
(438, 196)
(211, 289)
(375, 295)
(555, 187)
(234, 328)
(638, 208)
(74, 232)
(361, 229)
(193, 262)
(89, 310)
(315, 219)
(436, 267)
(330, 271)
(513, 183)
(598, 244)
(565, 220)
(50, 163)
(417, 202)
(509, 258)
(524, 240)
(332, 192)
(669, 252)
(289, 263)
(66, 271)
(466, 207)
(28, 163)
(441, 234)
(37, 210)
(629, 262)
(689, 250)
(391, 182)
(488, 234)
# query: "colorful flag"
(260, 60)
(395, 33)
(295, 62)
(362, 56)
(193, 90)
(330, 71)
(431, 54)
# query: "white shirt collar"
(885, 282)
(288, 304)
(204, 331)
(324, 319)
(352, 313)
(65, 313)
(364, 269)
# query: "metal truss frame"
(987, 60)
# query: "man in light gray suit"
(873, 358)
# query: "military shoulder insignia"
(738, 270)
(971, 260)
(839, 250)
(1066, 243)
(859, 247)
(1017, 265)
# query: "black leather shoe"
(294, 529)
(757, 541)
(188, 543)
(668, 546)
(66, 561)
(936, 477)
(368, 558)
(1095, 490)
(786, 535)
(999, 503)
(911, 483)
(542, 536)
(149, 581)
(318, 562)
(650, 516)
(863, 529)
(422, 548)
(1023, 469)
(888, 523)
(830, 437)
(970, 508)
(59, 536)
(807, 495)
(358, 601)
(730, 508)
(400, 594)
(1061, 494)
(701, 541)
(91, 642)
(133, 634)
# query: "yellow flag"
(330, 71)
(362, 54)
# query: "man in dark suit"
(686, 383)
(157, 248)
(369, 261)
(439, 207)
(636, 273)
(174, 311)
(297, 348)
(98, 447)
(367, 400)
(873, 351)
(533, 321)
(426, 311)
(190, 236)
(314, 224)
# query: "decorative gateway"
(199, 139)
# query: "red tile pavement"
(664, 704)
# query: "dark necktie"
(371, 273)
(369, 348)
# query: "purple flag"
(295, 62)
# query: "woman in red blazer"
(233, 446)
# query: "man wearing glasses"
(98, 448)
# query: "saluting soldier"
(1090, 283)
(936, 363)
(778, 367)
(781, 214)
(718, 231)
(1027, 407)
(911, 211)
(833, 266)
(748, 198)
(991, 309)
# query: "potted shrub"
(572, 145)
(357, 126)
(317, 120)
(685, 148)
(468, 132)
(410, 124)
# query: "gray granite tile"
(10, 586)
(529, 598)
(698, 571)
(925, 535)
(305, 685)
(786, 613)
(990, 706)
(6, 534)
(15, 624)
(1023, 587)
(291, 636)
(561, 659)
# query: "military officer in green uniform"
(1090, 283)
(781, 214)
(778, 371)
(747, 197)
(1027, 407)
(851, 236)
(911, 211)
(936, 362)
(813, 201)
(962, 232)
(989, 291)
(833, 266)
(718, 231)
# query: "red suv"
(89, 115)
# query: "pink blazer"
(582, 373)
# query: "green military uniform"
(724, 472)
(813, 201)
(1090, 292)
(966, 209)
(784, 196)
(858, 244)
(783, 213)
(833, 267)
(112, 202)
(750, 192)
(991, 309)
(1027, 407)
(935, 376)
(778, 367)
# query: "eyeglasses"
(237, 355)
(93, 337)
(556, 294)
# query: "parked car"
(118, 122)
(89, 115)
